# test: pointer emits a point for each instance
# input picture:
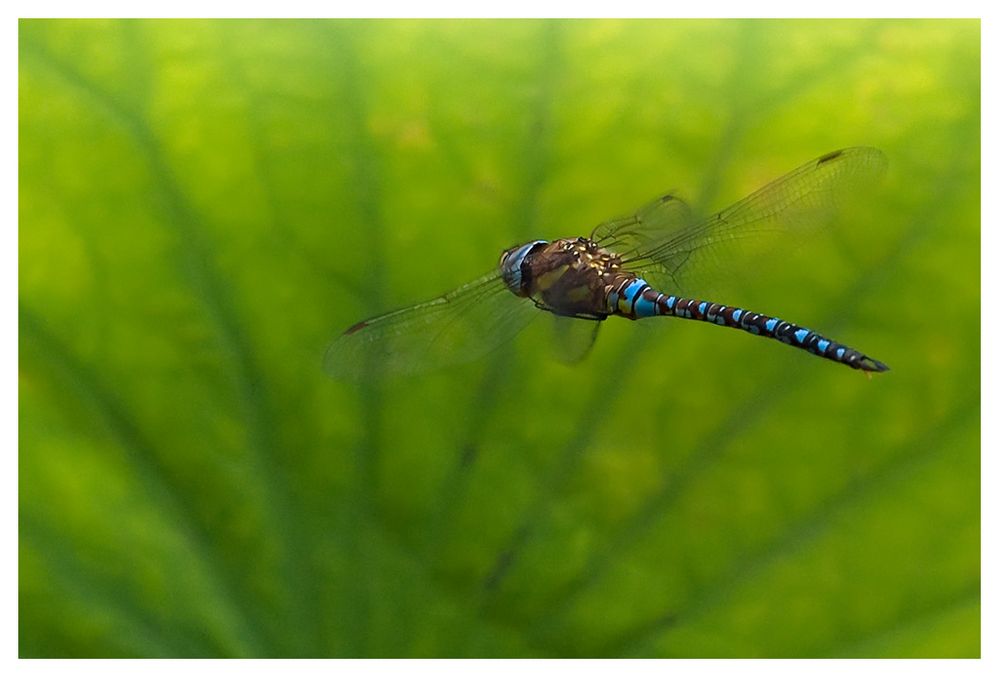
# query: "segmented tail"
(638, 300)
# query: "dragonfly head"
(513, 265)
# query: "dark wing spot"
(355, 328)
(830, 156)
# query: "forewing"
(803, 198)
(647, 226)
(454, 328)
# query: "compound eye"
(507, 253)
(537, 245)
(513, 262)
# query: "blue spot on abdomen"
(644, 307)
(633, 288)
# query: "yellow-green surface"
(204, 205)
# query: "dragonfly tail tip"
(869, 366)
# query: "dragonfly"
(635, 267)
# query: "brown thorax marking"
(589, 255)
(571, 276)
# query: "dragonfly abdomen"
(635, 299)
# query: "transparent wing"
(647, 225)
(667, 246)
(454, 328)
(573, 338)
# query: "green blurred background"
(204, 205)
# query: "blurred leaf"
(205, 204)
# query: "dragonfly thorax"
(569, 277)
(583, 255)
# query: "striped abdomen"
(635, 299)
